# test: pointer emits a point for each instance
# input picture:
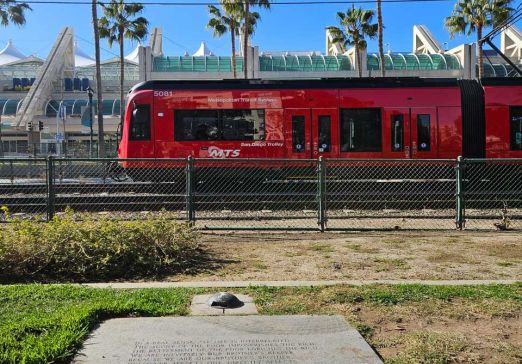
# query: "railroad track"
(88, 201)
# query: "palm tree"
(356, 24)
(474, 15)
(119, 21)
(249, 26)
(229, 21)
(99, 97)
(12, 11)
(379, 37)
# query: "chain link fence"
(24, 187)
(390, 194)
(259, 194)
(492, 194)
(304, 194)
(127, 189)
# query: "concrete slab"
(199, 306)
(227, 339)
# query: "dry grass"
(427, 347)
(505, 251)
(391, 255)
(443, 256)
(417, 324)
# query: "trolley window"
(423, 132)
(140, 123)
(325, 134)
(243, 124)
(298, 133)
(219, 125)
(397, 133)
(516, 127)
(196, 125)
(361, 130)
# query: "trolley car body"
(345, 118)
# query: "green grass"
(47, 323)
(279, 300)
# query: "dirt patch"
(435, 332)
(337, 256)
(417, 325)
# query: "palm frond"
(356, 25)
(119, 22)
(13, 12)
(468, 15)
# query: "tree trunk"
(99, 96)
(480, 58)
(233, 36)
(379, 36)
(122, 69)
(357, 57)
(245, 37)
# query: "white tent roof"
(202, 51)
(82, 59)
(31, 59)
(134, 55)
(10, 54)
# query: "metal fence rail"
(304, 194)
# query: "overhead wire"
(514, 17)
(174, 3)
(176, 43)
(92, 43)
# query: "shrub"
(94, 249)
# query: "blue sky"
(283, 28)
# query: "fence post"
(189, 190)
(50, 188)
(459, 220)
(321, 187)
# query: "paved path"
(232, 284)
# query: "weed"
(324, 248)
(360, 249)
(505, 264)
(258, 264)
(387, 264)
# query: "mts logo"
(215, 152)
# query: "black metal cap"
(224, 300)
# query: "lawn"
(405, 324)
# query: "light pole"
(90, 93)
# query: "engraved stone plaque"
(227, 339)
